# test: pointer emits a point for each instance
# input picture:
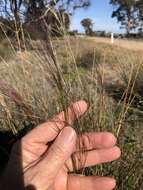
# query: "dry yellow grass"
(102, 74)
(135, 45)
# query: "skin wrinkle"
(30, 155)
(32, 164)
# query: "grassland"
(37, 82)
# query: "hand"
(42, 159)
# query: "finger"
(48, 131)
(58, 153)
(90, 141)
(94, 157)
(90, 183)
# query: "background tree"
(126, 13)
(10, 17)
(37, 8)
(70, 5)
(139, 6)
(56, 13)
(87, 23)
(11, 9)
(58, 20)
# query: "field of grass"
(131, 44)
(37, 82)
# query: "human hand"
(42, 159)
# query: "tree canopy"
(87, 23)
(55, 13)
(128, 13)
(10, 8)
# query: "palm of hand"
(45, 165)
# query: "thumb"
(59, 152)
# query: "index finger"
(48, 131)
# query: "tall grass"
(38, 82)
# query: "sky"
(100, 12)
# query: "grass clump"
(90, 58)
(6, 51)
